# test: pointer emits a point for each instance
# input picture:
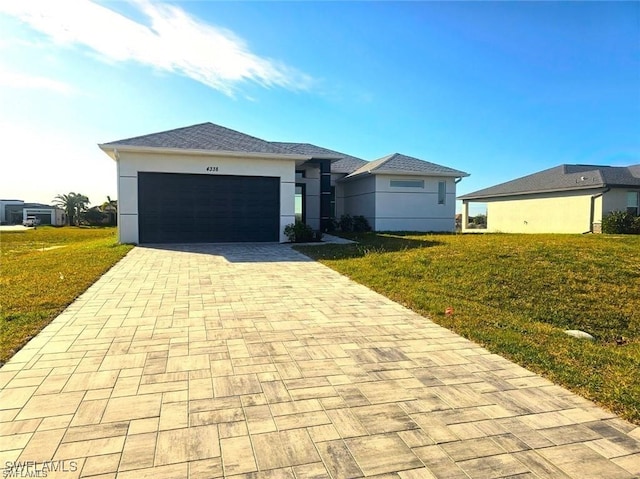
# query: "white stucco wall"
(335, 177)
(130, 163)
(359, 198)
(567, 212)
(414, 208)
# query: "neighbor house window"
(633, 202)
(442, 192)
(407, 183)
(300, 174)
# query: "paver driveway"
(252, 361)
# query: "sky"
(496, 89)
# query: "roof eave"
(112, 150)
(456, 174)
(471, 196)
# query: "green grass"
(515, 295)
(42, 271)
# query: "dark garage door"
(185, 208)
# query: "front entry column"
(325, 194)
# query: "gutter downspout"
(593, 207)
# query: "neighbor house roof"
(399, 164)
(205, 136)
(563, 178)
(345, 164)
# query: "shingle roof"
(397, 163)
(205, 136)
(346, 163)
(208, 136)
(563, 178)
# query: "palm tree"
(74, 204)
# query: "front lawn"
(42, 271)
(515, 295)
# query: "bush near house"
(515, 295)
(43, 271)
(621, 222)
(354, 224)
(300, 232)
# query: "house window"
(407, 183)
(300, 174)
(300, 203)
(633, 202)
(442, 192)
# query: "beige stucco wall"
(568, 212)
(129, 164)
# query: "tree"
(110, 207)
(74, 204)
(94, 216)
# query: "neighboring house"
(564, 199)
(208, 183)
(14, 212)
(11, 212)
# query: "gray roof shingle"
(346, 163)
(563, 178)
(208, 136)
(397, 163)
(204, 136)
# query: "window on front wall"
(442, 192)
(406, 183)
(299, 205)
(633, 202)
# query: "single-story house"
(208, 183)
(564, 199)
(14, 212)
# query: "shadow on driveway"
(238, 252)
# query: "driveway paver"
(252, 361)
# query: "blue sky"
(499, 89)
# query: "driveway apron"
(252, 361)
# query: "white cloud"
(173, 41)
(11, 79)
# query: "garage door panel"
(176, 208)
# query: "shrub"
(620, 222)
(360, 224)
(94, 217)
(299, 232)
(346, 223)
(354, 224)
(332, 225)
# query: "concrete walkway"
(253, 362)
